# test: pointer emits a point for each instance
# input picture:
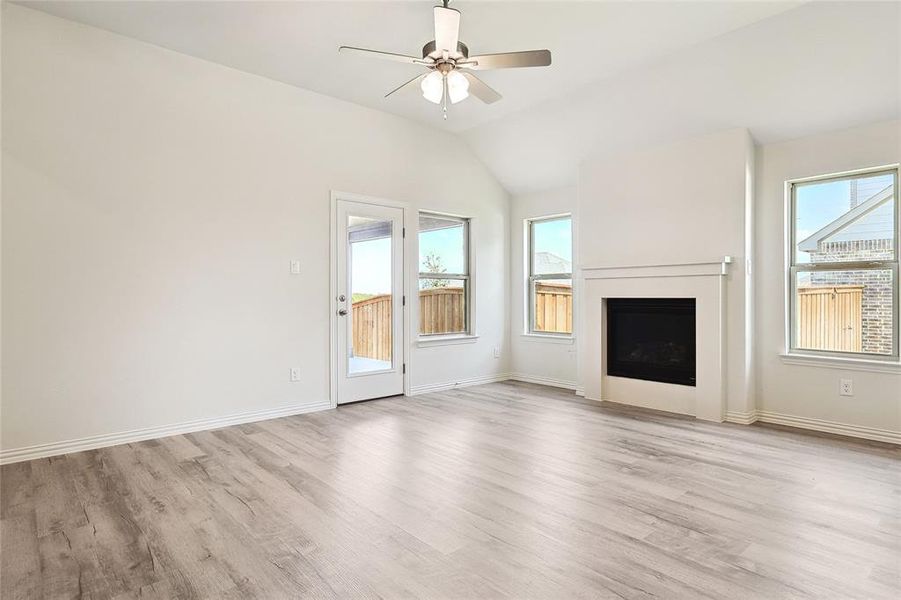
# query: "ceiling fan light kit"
(449, 77)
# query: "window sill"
(850, 364)
(445, 340)
(547, 338)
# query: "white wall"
(811, 392)
(534, 358)
(679, 203)
(152, 203)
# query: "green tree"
(432, 264)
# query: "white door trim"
(409, 279)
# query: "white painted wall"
(535, 358)
(818, 67)
(804, 391)
(152, 203)
(672, 204)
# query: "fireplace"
(651, 339)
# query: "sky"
(371, 261)
(554, 237)
(371, 268)
(821, 203)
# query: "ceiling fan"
(449, 64)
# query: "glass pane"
(442, 306)
(370, 328)
(552, 306)
(844, 311)
(442, 245)
(552, 246)
(846, 220)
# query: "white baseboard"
(567, 385)
(112, 439)
(449, 385)
(580, 391)
(859, 431)
(742, 418)
(148, 433)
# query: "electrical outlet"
(295, 267)
(295, 374)
(497, 352)
(846, 387)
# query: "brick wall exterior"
(877, 293)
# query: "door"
(369, 301)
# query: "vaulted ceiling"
(625, 74)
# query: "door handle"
(342, 312)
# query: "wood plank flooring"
(507, 490)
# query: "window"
(844, 265)
(444, 285)
(550, 282)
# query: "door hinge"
(404, 368)
(403, 301)
(403, 232)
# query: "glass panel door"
(369, 301)
(370, 334)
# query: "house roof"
(869, 220)
(548, 262)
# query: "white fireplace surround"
(703, 281)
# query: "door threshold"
(370, 400)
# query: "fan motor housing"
(429, 51)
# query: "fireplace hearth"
(652, 339)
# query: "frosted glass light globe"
(433, 87)
(457, 87)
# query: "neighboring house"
(863, 233)
(548, 262)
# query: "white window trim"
(839, 362)
(446, 339)
(548, 338)
(849, 360)
(471, 334)
(529, 333)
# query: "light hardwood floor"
(506, 490)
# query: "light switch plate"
(295, 267)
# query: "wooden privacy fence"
(442, 310)
(553, 307)
(829, 318)
(372, 327)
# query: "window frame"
(794, 268)
(466, 277)
(531, 278)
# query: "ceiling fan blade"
(447, 28)
(412, 83)
(481, 90)
(385, 55)
(508, 60)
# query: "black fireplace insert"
(651, 339)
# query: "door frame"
(407, 249)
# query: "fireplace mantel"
(692, 269)
(703, 281)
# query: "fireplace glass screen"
(652, 339)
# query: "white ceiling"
(625, 74)
(820, 67)
(297, 42)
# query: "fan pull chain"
(444, 81)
